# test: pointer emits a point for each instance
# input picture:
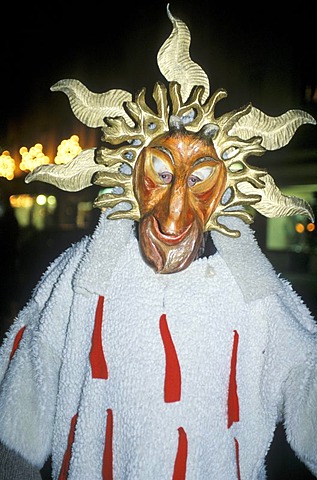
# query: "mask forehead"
(185, 149)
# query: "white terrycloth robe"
(121, 373)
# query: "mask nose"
(175, 215)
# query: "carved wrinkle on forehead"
(166, 151)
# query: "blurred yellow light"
(23, 200)
(67, 150)
(51, 200)
(33, 158)
(41, 199)
(310, 227)
(299, 227)
(7, 165)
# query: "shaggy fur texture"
(233, 299)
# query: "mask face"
(178, 182)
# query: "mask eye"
(200, 175)
(166, 177)
(192, 180)
(162, 169)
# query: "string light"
(31, 158)
(299, 227)
(310, 227)
(67, 150)
(7, 165)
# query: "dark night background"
(259, 54)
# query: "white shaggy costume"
(121, 373)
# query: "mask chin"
(169, 257)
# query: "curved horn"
(91, 108)
(274, 203)
(276, 132)
(72, 176)
(175, 63)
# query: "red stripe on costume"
(233, 399)
(236, 443)
(96, 356)
(17, 341)
(181, 456)
(107, 468)
(172, 384)
(68, 452)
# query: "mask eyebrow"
(203, 159)
(166, 151)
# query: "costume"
(164, 364)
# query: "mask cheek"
(207, 201)
(149, 248)
(205, 205)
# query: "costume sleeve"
(30, 359)
(300, 411)
(299, 343)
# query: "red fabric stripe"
(17, 340)
(237, 458)
(181, 456)
(107, 469)
(172, 384)
(233, 399)
(97, 358)
(68, 452)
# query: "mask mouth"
(207, 248)
(168, 238)
(173, 255)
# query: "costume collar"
(111, 240)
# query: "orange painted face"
(178, 182)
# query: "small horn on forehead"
(176, 122)
(209, 131)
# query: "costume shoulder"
(251, 269)
(65, 263)
(56, 275)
